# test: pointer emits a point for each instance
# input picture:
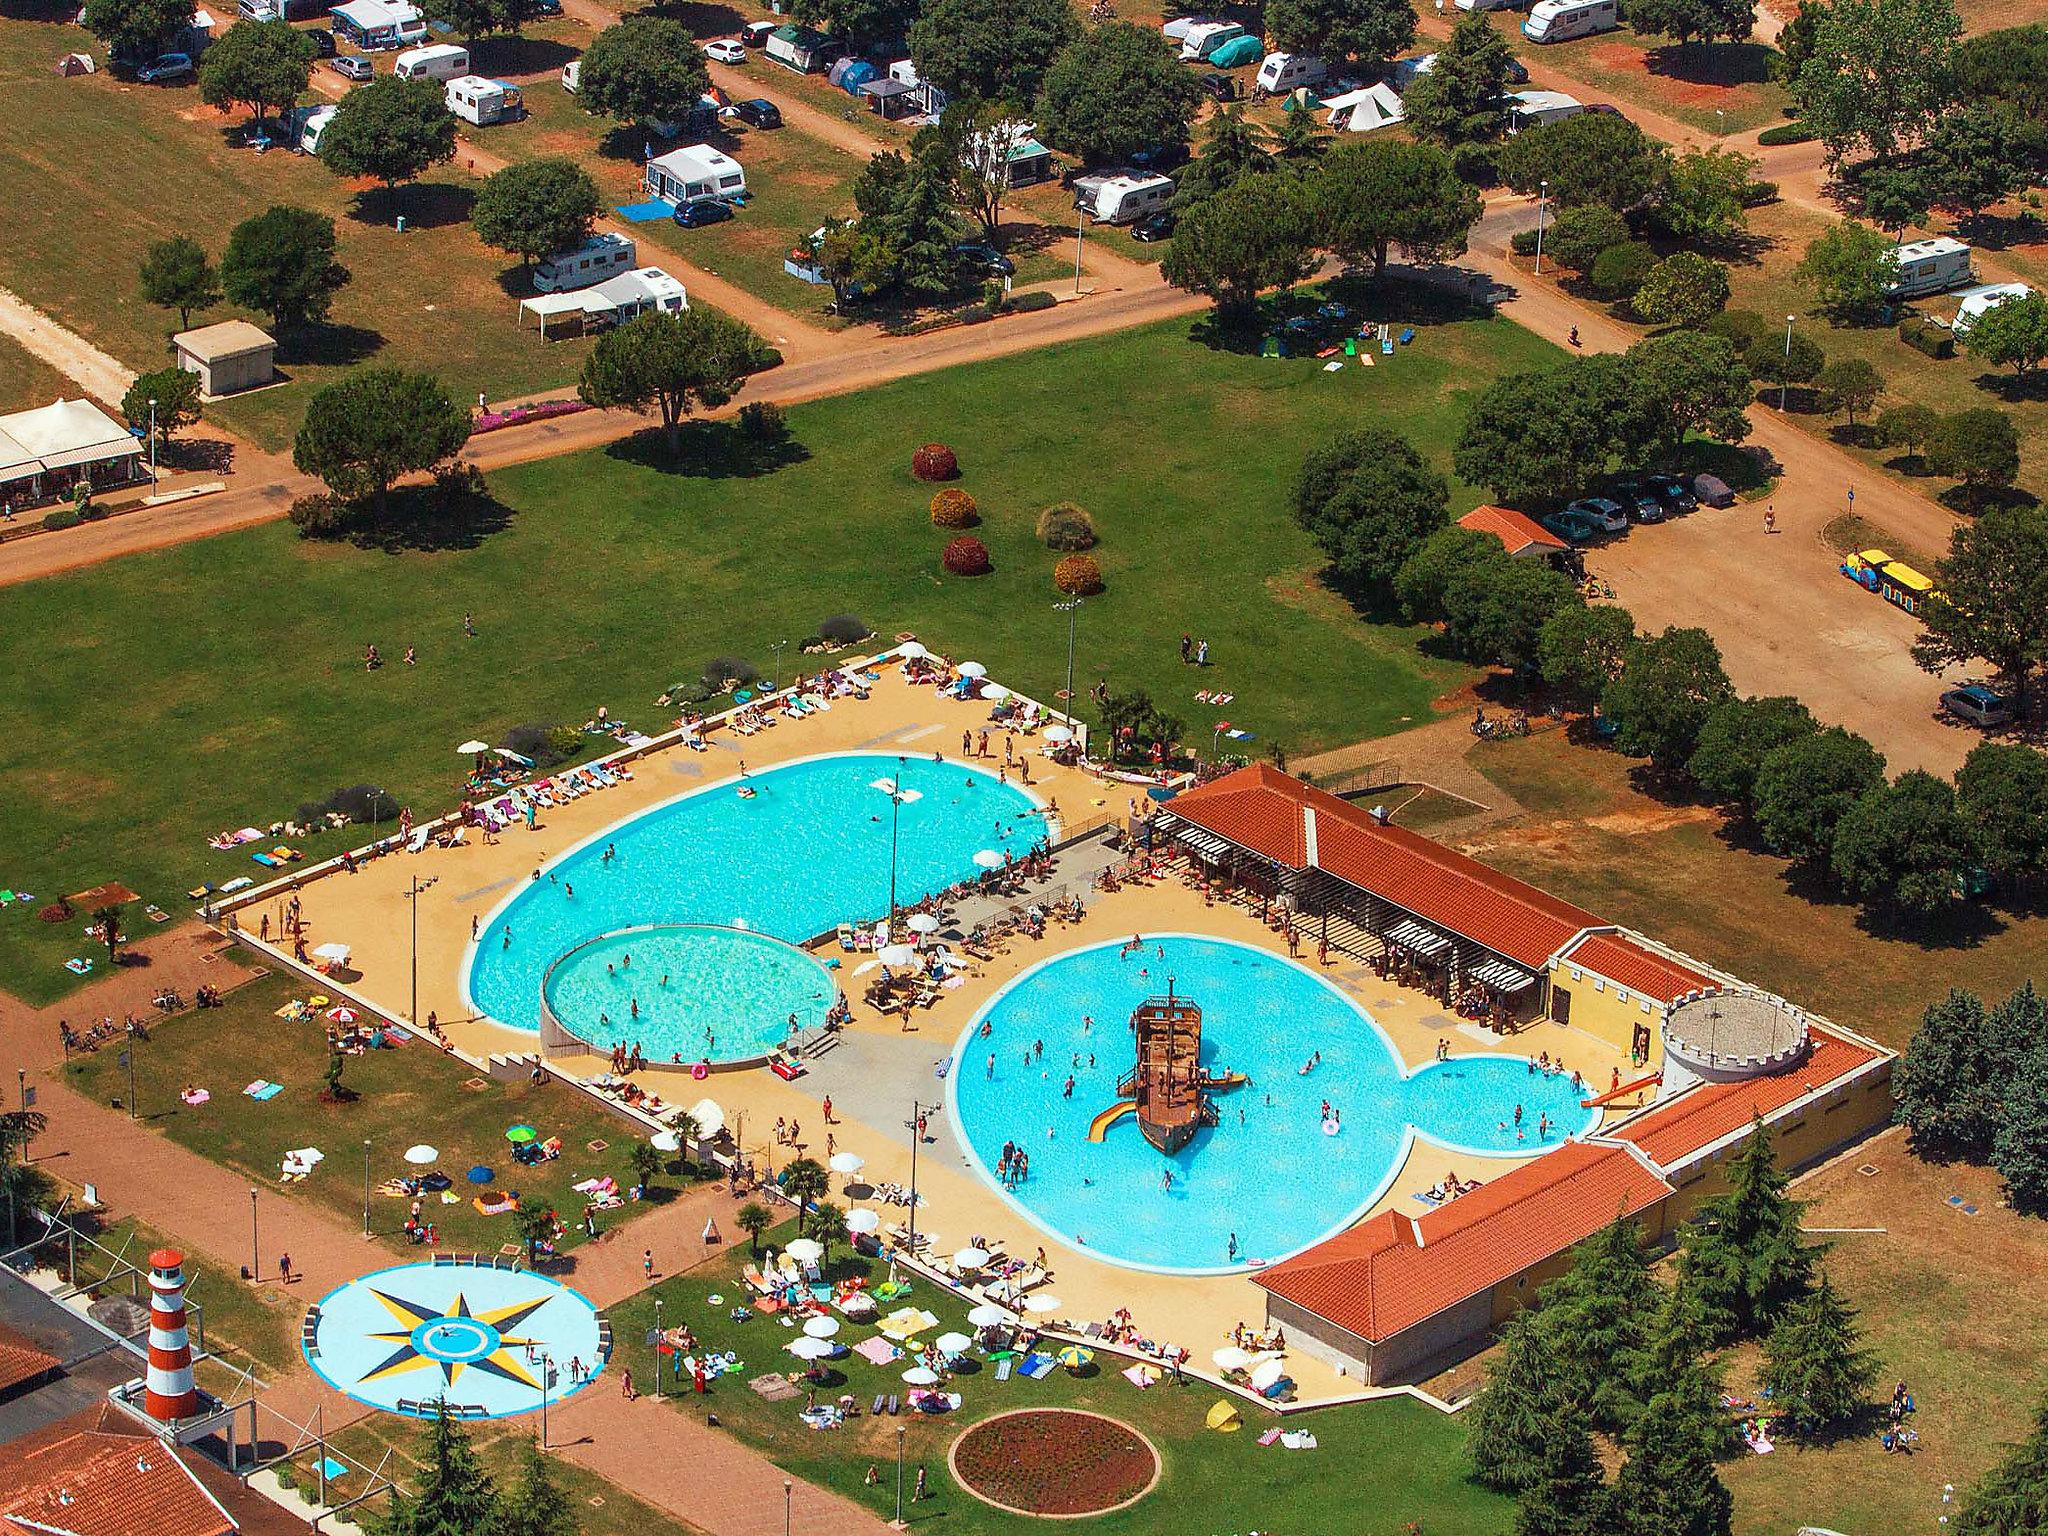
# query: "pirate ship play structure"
(1167, 1090)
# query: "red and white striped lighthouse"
(168, 1391)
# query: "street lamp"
(657, 1349)
(1542, 198)
(412, 898)
(152, 439)
(775, 650)
(898, 1521)
(1721, 119)
(547, 1372)
(255, 1243)
(1786, 376)
(366, 1186)
(1078, 225)
(1071, 608)
(787, 1488)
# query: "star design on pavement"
(408, 1356)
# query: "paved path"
(104, 378)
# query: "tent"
(1223, 1415)
(1376, 106)
(76, 64)
(851, 74)
(1238, 51)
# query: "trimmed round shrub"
(762, 423)
(954, 509)
(966, 556)
(724, 673)
(935, 461)
(1621, 269)
(1078, 576)
(364, 803)
(539, 742)
(1066, 526)
(318, 515)
(61, 518)
(844, 629)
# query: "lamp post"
(152, 439)
(895, 820)
(366, 1186)
(412, 899)
(1071, 608)
(657, 1349)
(255, 1243)
(898, 1521)
(1079, 224)
(787, 1488)
(128, 1061)
(547, 1372)
(775, 650)
(1721, 120)
(1785, 377)
(1542, 200)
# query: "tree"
(1982, 152)
(533, 208)
(1906, 426)
(1850, 266)
(1990, 593)
(2019, 1147)
(536, 1505)
(828, 1225)
(136, 31)
(1567, 1493)
(1685, 288)
(1849, 385)
(2012, 333)
(1904, 846)
(1687, 382)
(1536, 438)
(754, 1218)
(1744, 1255)
(1369, 500)
(1895, 192)
(1115, 91)
(861, 22)
(282, 262)
(167, 399)
(24, 1187)
(646, 69)
(922, 229)
(855, 257)
(1674, 1365)
(1595, 157)
(479, 18)
(1135, 724)
(1257, 234)
(1460, 100)
(677, 362)
(1385, 192)
(805, 1181)
(177, 275)
(362, 434)
(1706, 195)
(1232, 151)
(2003, 793)
(389, 130)
(1736, 736)
(1581, 648)
(1946, 1088)
(454, 1494)
(1979, 447)
(1795, 42)
(1878, 75)
(1815, 1366)
(1581, 234)
(977, 138)
(2012, 1498)
(1620, 271)
(1341, 29)
(991, 50)
(1806, 787)
(1301, 137)
(1669, 1486)
(1509, 1421)
(1600, 1312)
(1687, 21)
(259, 65)
(647, 1164)
(1495, 609)
(2008, 66)
(1425, 576)
(1798, 361)
(1669, 684)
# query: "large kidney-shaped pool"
(789, 852)
(1274, 1175)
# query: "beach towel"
(1298, 1440)
(878, 1351)
(195, 1096)
(1038, 1366)
(264, 859)
(77, 967)
(331, 1469)
(1139, 1377)
(1270, 1436)
(259, 1089)
(499, 1206)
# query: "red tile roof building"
(21, 1361)
(97, 1484)
(1521, 536)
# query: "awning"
(1502, 977)
(1410, 934)
(1202, 842)
(884, 87)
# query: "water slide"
(1600, 1100)
(1099, 1126)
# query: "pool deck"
(882, 1064)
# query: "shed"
(1522, 537)
(229, 357)
(694, 174)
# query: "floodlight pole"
(1542, 201)
(898, 1521)
(413, 900)
(152, 440)
(916, 1114)
(1785, 377)
(657, 1349)
(787, 1489)
(1072, 609)
(895, 820)
(255, 1243)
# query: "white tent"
(68, 435)
(1361, 111)
(612, 302)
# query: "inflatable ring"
(699, 1071)
(1331, 1127)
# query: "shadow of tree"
(1998, 232)
(1964, 500)
(423, 204)
(704, 18)
(334, 346)
(2014, 388)
(500, 57)
(455, 513)
(1914, 464)
(709, 450)
(1722, 63)
(1403, 297)
(1859, 434)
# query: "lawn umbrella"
(665, 1141)
(1073, 1357)
(994, 691)
(808, 1348)
(988, 858)
(971, 669)
(1058, 735)
(520, 1134)
(341, 1013)
(970, 1258)
(921, 1376)
(821, 1327)
(864, 1221)
(922, 922)
(897, 954)
(846, 1162)
(480, 1175)
(954, 1343)
(988, 1315)
(471, 747)
(1230, 1358)
(1041, 1302)
(1266, 1372)
(912, 650)
(804, 1250)
(422, 1156)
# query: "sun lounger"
(1003, 1369)
(875, 1408)
(418, 841)
(895, 1406)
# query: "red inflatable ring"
(700, 1071)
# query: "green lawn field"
(170, 695)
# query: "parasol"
(804, 1250)
(422, 1155)
(821, 1327)
(846, 1162)
(864, 1221)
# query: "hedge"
(1923, 335)
(1786, 133)
(62, 517)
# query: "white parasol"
(1266, 1372)
(804, 1250)
(422, 1156)
(331, 951)
(954, 1343)
(970, 1258)
(821, 1327)
(665, 1141)
(912, 650)
(808, 1348)
(864, 1221)
(1231, 1358)
(988, 1315)
(988, 858)
(994, 691)
(1041, 1301)
(471, 747)
(922, 922)
(921, 1376)
(1058, 735)
(846, 1162)
(897, 954)
(971, 669)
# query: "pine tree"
(1945, 1086)
(1508, 1426)
(1600, 1311)
(1814, 1362)
(1744, 1255)
(1669, 1486)
(2020, 1149)
(455, 1496)
(1568, 1496)
(536, 1506)
(1675, 1364)
(2012, 1498)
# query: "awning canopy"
(1502, 977)
(1410, 934)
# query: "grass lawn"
(1393, 1462)
(431, 297)
(27, 381)
(408, 1095)
(610, 576)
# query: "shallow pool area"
(1277, 1171)
(789, 851)
(691, 992)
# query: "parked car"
(1977, 705)
(758, 113)
(1571, 525)
(1220, 86)
(1516, 73)
(755, 34)
(1671, 490)
(350, 67)
(985, 258)
(546, 7)
(165, 66)
(1606, 109)
(1158, 227)
(323, 41)
(697, 215)
(1606, 515)
(1160, 157)
(1640, 503)
(726, 50)
(1713, 490)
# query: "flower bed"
(1055, 1461)
(540, 410)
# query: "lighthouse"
(169, 1394)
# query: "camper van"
(596, 259)
(484, 102)
(1121, 199)
(1929, 266)
(1532, 109)
(1975, 301)
(572, 76)
(1283, 72)
(1559, 21)
(311, 126)
(800, 48)
(440, 61)
(1206, 37)
(1487, 5)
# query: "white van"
(596, 259)
(1559, 21)
(1929, 266)
(1206, 37)
(438, 61)
(312, 126)
(484, 102)
(1121, 199)
(1283, 72)
(1532, 109)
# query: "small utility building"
(229, 357)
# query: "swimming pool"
(1267, 1174)
(807, 850)
(689, 993)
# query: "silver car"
(1606, 515)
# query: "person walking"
(1771, 518)
(918, 1495)
(626, 1385)
(647, 1263)
(1187, 646)
(284, 1268)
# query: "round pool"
(690, 992)
(1276, 1173)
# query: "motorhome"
(1559, 21)
(1975, 301)
(1929, 266)
(1121, 199)
(439, 61)
(693, 174)
(600, 257)
(1206, 37)
(1532, 109)
(1283, 72)
(484, 102)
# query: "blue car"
(697, 215)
